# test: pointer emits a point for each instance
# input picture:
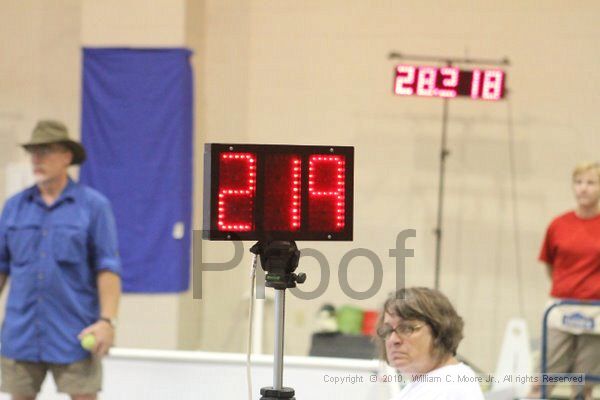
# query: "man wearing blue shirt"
(58, 247)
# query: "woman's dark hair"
(431, 307)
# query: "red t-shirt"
(572, 247)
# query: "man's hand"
(104, 333)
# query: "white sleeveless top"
(451, 382)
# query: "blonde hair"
(586, 166)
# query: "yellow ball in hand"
(88, 342)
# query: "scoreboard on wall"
(449, 82)
(283, 192)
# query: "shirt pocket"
(23, 243)
(69, 244)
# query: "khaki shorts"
(569, 353)
(25, 378)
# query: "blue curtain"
(137, 130)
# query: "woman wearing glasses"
(418, 333)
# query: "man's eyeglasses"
(402, 330)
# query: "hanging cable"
(515, 206)
(250, 317)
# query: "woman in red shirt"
(571, 252)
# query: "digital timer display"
(284, 192)
(449, 82)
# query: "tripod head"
(279, 259)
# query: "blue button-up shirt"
(52, 255)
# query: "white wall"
(133, 23)
(182, 375)
(316, 72)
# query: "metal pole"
(438, 230)
(279, 327)
(449, 61)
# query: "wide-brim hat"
(49, 131)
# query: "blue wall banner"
(137, 129)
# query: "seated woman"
(418, 333)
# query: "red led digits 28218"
(449, 82)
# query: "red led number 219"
(237, 192)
